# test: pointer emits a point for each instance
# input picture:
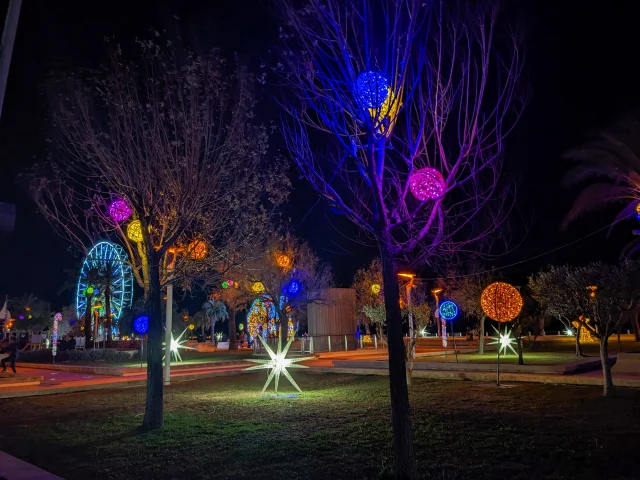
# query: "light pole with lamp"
(169, 317)
(439, 323)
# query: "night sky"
(581, 65)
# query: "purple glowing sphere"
(426, 184)
(119, 210)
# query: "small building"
(331, 318)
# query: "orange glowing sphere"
(283, 261)
(198, 249)
(501, 302)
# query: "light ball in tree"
(294, 287)
(90, 290)
(198, 249)
(501, 301)
(372, 89)
(257, 287)
(225, 284)
(134, 231)
(427, 184)
(141, 325)
(283, 261)
(448, 310)
(119, 210)
(375, 288)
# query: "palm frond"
(595, 197)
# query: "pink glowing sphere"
(119, 210)
(426, 184)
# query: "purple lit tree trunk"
(399, 114)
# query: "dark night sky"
(581, 64)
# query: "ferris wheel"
(105, 261)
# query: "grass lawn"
(339, 428)
(189, 358)
(530, 358)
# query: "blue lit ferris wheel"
(105, 262)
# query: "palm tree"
(215, 310)
(610, 163)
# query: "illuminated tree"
(601, 294)
(300, 282)
(29, 311)
(367, 282)
(551, 290)
(397, 115)
(215, 311)
(174, 136)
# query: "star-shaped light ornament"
(278, 364)
(177, 345)
(505, 340)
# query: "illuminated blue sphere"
(372, 89)
(294, 287)
(448, 310)
(141, 325)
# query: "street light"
(436, 292)
(409, 286)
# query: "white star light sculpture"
(177, 345)
(505, 340)
(278, 364)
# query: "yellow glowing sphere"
(283, 261)
(198, 249)
(375, 288)
(638, 209)
(191, 326)
(258, 287)
(134, 231)
(501, 302)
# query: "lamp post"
(169, 318)
(436, 292)
(408, 287)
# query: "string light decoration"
(57, 318)
(427, 184)
(134, 231)
(375, 288)
(585, 334)
(198, 249)
(372, 89)
(176, 345)
(278, 364)
(448, 310)
(501, 302)
(257, 287)
(119, 210)
(505, 340)
(283, 261)
(141, 325)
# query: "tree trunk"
(606, 367)
(87, 322)
(213, 323)
(232, 329)
(404, 461)
(519, 345)
(481, 344)
(153, 414)
(578, 346)
(636, 326)
(107, 310)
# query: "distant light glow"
(283, 261)
(134, 231)
(278, 364)
(372, 89)
(90, 290)
(258, 287)
(178, 344)
(119, 210)
(448, 310)
(375, 288)
(225, 284)
(427, 184)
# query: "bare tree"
(413, 101)
(172, 136)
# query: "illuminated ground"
(339, 428)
